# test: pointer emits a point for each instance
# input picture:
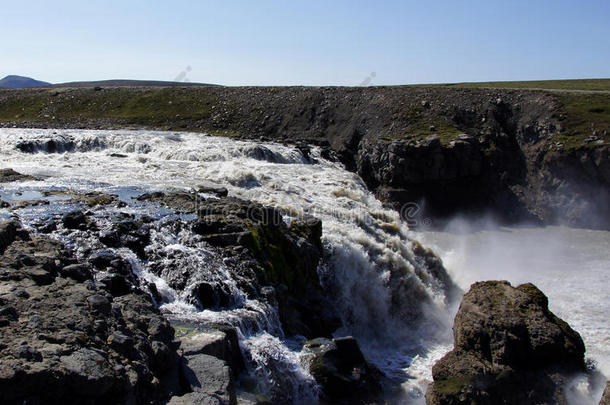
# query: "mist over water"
(571, 266)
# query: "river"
(390, 300)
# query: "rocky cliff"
(520, 154)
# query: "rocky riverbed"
(81, 326)
(274, 275)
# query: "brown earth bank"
(519, 154)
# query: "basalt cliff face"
(519, 154)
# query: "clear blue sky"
(306, 42)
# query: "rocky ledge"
(68, 339)
(508, 349)
(80, 326)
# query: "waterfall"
(392, 294)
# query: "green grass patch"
(452, 386)
(227, 134)
(577, 84)
(24, 108)
(585, 116)
(181, 331)
(141, 106)
(423, 123)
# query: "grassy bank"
(582, 84)
(394, 112)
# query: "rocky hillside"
(521, 154)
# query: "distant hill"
(130, 83)
(20, 82)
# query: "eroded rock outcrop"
(508, 348)
(275, 261)
(67, 339)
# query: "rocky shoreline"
(80, 327)
(521, 155)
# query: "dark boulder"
(212, 188)
(342, 371)
(78, 272)
(220, 342)
(207, 295)
(9, 175)
(8, 232)
(509, 348)
(208, 379)
(75, 220)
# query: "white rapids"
(365, 244)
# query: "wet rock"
(89, 198)
(271, 254)
(102, 259)
(213, 189)
(179, 201)
(9, 175)
(47, 226)
(211, 295)
(342, 371)
(210, 376)
(221, 343)
(65, 335)
(260, 152)
(75, 220)
(509, 348)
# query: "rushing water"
(367, 248)
(388, 298)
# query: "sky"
(306, 42)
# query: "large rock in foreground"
(509, 349)
(66, 339)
